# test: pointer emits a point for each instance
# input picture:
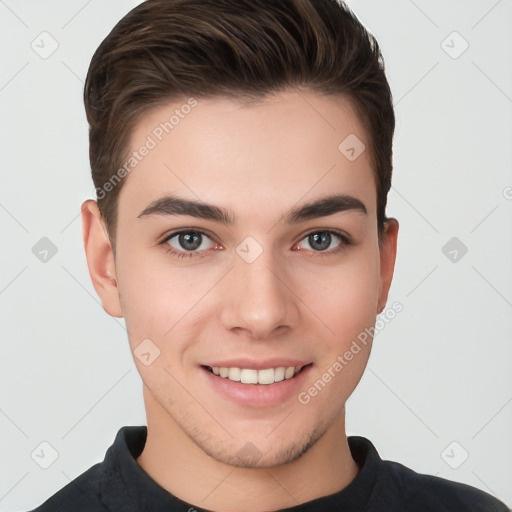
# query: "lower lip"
(258, 395)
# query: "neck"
(177, 464)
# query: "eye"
(185, 244)
(193, 243)
(322, 240)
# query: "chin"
(262, 452)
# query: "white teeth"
(289, 372)
(235, 374)
(266, 376)
(249, 376)
(279, 374)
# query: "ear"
(100, 258)
(387, 260)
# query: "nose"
(258, 297)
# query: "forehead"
(251, 158)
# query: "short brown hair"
(242, 49)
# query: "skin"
(294, 300)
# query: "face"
(279, 286)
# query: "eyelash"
(193, 254)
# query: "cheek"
(347, 304)
(345, 296)
(149, 296)
(161, 300)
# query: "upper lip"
(251, 364)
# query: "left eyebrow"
(323, 207)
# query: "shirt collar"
(126, 486)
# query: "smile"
(266, 384)
(251, 376)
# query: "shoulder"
(422, 493)
(105, 482)
(81, 495)
(393, 486)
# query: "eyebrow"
(323, 207)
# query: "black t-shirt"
(120, 484)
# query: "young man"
(242, 155)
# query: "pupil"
(185, 240)
(323, 238)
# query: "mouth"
(265, 376)
(264, 384)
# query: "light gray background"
(439, 373)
